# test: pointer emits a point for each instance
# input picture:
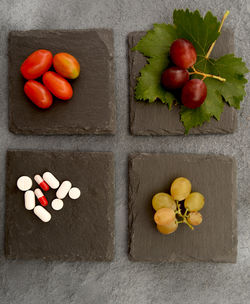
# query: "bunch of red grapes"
(194, 91)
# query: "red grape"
(194, 93)
(174, 78)
(183, 53)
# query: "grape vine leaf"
(201, 32)
(157, 41)
(155, 45)
(149, 87)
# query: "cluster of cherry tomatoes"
(194, 91)
(37, 65)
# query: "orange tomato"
(66, 65)
(57, 85)
(36, 64)
(38, 94)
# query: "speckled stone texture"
(122, 281)
(215, 240)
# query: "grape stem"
(183, 216)
(206, 75)
(189, 225)
(213, 44)
(208, 54)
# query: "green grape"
(194, 202)
(164, 216)
(163, 200)
(167, 229)
(194, 218)
(180, 188)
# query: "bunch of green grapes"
(168, 207)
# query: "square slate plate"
(83, 229)
(215, 240)
(155, 118)
(92, 107)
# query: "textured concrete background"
(122, 281)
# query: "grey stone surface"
(215, 240)
(155, 118)
(122, 281)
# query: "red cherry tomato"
(58, 85)
(38, 94)
(66, 65)
(36, 64)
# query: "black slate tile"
(92, 107)
(83, 229)
(215, 240)
(155, 118)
